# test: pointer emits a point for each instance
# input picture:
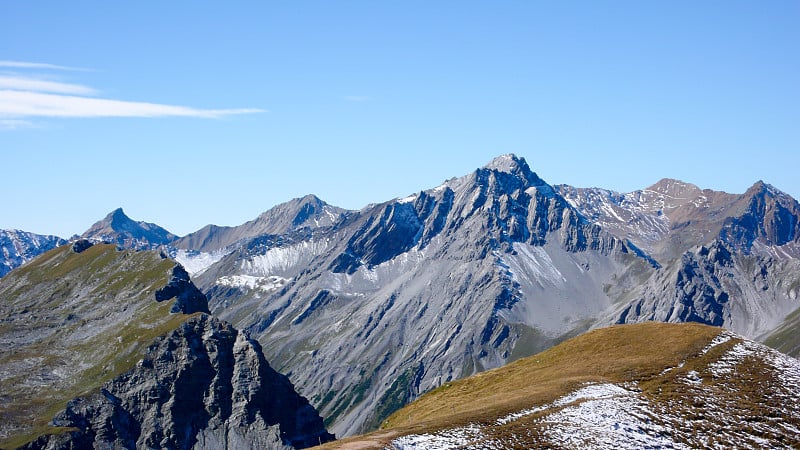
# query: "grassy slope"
(621, 353)
(84, 318)
(785, 338)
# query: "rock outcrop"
(188, 299)
(203, 386)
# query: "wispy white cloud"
(33, 65)
(17, 104)
(25, 97)
(18, 83)
(357, 98)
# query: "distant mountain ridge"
(18, 247)
(118, 228)
(307, 212)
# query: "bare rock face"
(203, 386)
(81, 245)
(770, 217)
(189, 299)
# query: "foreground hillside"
(634, 386)
(113, 348)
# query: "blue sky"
(189, 113)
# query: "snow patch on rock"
(249, 282)
(281, 259)
(198, 262)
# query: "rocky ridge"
(744, 277)
(307, 212)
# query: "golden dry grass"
(617, 354)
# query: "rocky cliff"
(203, 386)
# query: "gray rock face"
(203, 386)
(117, 228)
(664, 220)
(770, 216)
(18, 247)
(81, 245)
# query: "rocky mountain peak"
(118, 215)
(117, 220)
(514, 165)
(675, 188)
(767, 214)
(307, 213)
(506, 163)
(760, 188)
(118, 228)
(299, 211)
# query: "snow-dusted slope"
(18, 247)
(663, 219)
(731, 393)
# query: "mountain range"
(366, 310)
